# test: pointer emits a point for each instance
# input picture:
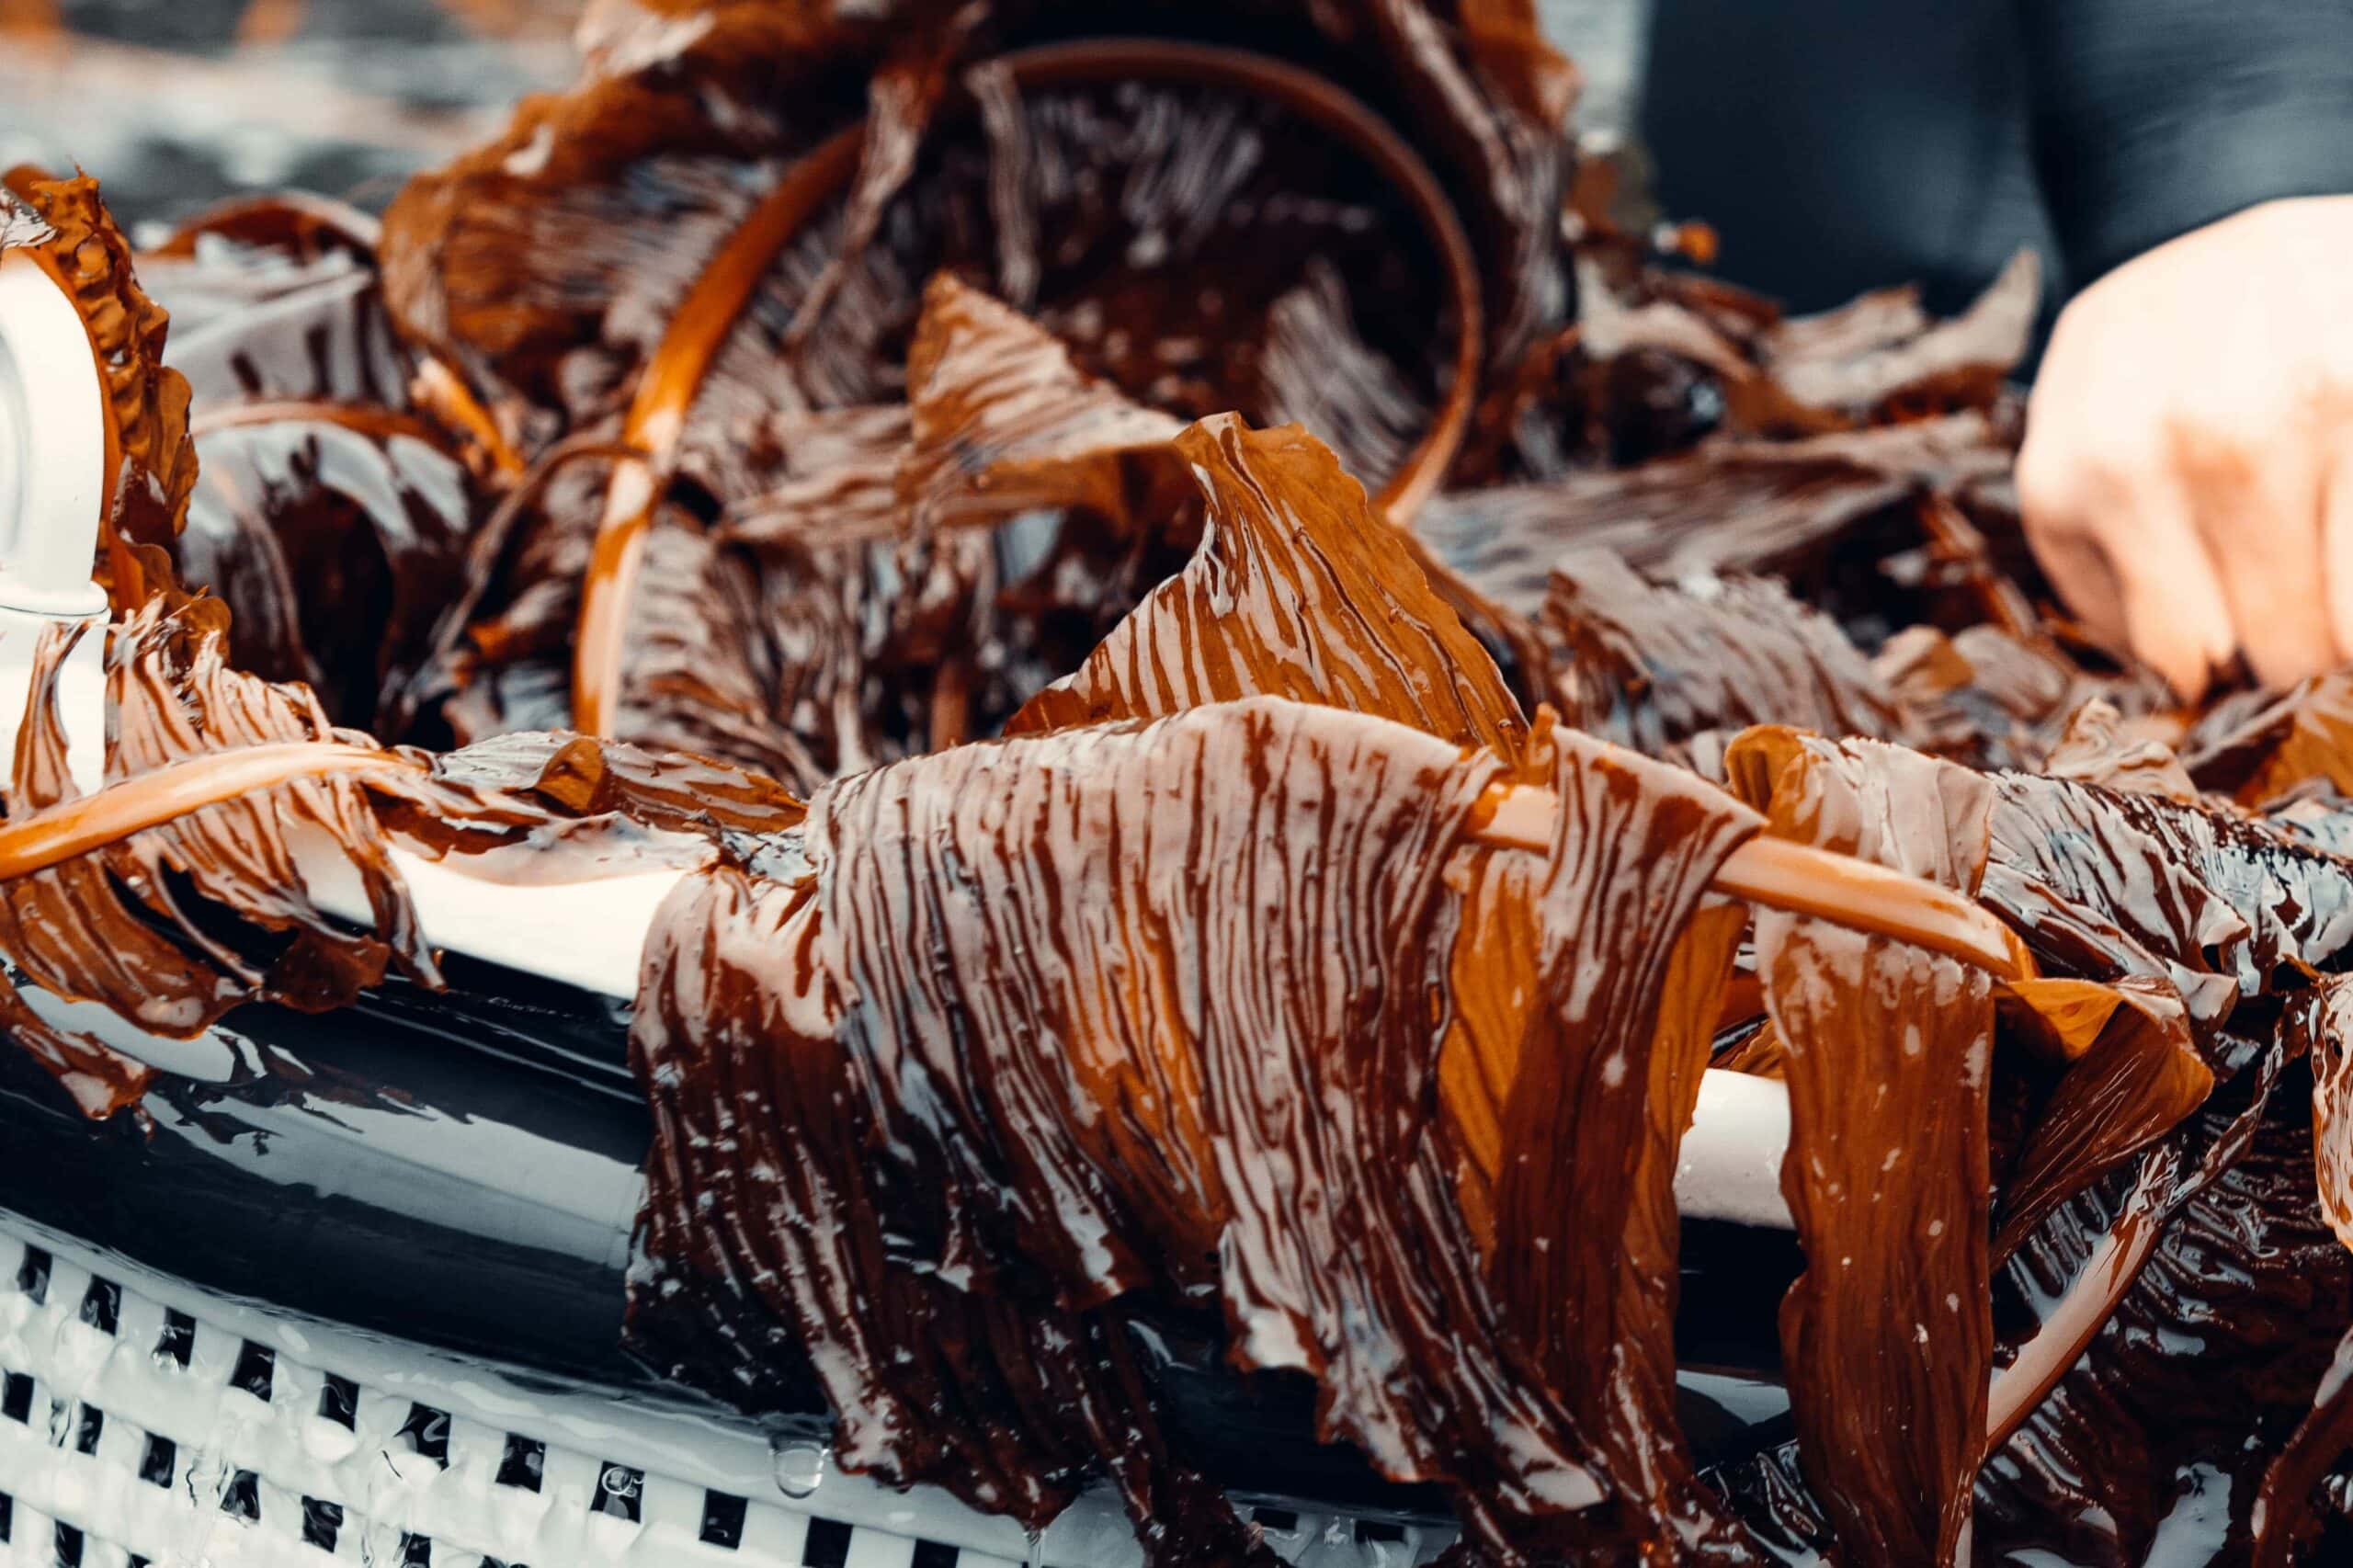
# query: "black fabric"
(1839, 145)
(1845, 144)
(2152, 118)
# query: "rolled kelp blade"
(1675, 671)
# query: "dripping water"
(800, 1466)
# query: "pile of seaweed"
(1149, 495)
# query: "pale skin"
(2187, 474)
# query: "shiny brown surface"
(1676, 672)
(1145, 961)
(1301, 588)
(184, 886)
(2283, 1518)
(106, 924)
(669, 385)
(1887, 1337)
(666, 391)
(1260, 235)
(1148, 1058)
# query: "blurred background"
(1835, 147)
(175, 104)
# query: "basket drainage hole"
(241, 1499)
(826, 1546)
(522, 1463)
(178, 1342)
(620, 1492)
(339, 1402)
(102, 1305)
(256, 1368)
(32, 1277)
(427, 1431)
(322, 1523)
(722, 1519)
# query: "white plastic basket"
(146, 1422)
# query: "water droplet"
(800, 1466)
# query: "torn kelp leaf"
(1674, 671)
(1299, 590)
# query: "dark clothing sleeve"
(2152, 117)
(1839, 145)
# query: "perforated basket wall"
(143, 1423)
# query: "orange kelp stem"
(441, 392)
(75, 827)
(302, 221)
(363, 419)
(658, 414)
(674, 375)
(1805, 881)
(1802, 880)
(1321, 104)
(2090, 1301)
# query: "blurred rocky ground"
(175, 104)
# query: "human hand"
(2188, 475)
